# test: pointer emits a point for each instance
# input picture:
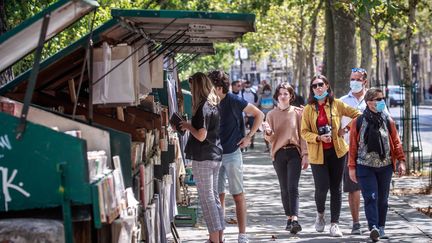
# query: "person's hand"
(341, 132)
(305, 163)
(401, 168)
(185, 126)
(352, 174)
(244, 142)
(266, 127)
(326, 138)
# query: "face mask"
(380, 106)
(320, 97)
(267, 92)
(247, 89)
(236, 92)
(356, 86)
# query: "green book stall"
(95, 144)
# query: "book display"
(101, 135)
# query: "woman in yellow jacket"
(326, 149)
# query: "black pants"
(329, 176)
(287, 165)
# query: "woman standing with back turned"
(205, 151)
(326, 149)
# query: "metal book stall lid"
(167, 33)
(23, 39)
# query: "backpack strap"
(360, 120)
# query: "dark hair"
(311, 98)
(266, 87)
(372, 93)
(286, 86)
(220, 79)
(235, 82)
(360, 70)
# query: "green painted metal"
(81, 43)
(30, 167)
(181, 14)
(27, 28)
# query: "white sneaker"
(335, 231)
(319, 223)
(242, 238)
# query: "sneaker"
(382, 234)
(356, 229)
(319, 223)
(374, 234)
(289, 225)
(295, 227)
(242, 238)
(335, 231)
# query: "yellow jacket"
(309, 130)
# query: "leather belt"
(288, 146)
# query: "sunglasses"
(316, 85)
(378, 99)
(360, 70)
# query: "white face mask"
(356, 86)
(247, 89)
(267, 92)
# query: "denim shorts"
(231, 171)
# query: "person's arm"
(258, 119)
(306, 129)
(200, 134)
(348, 110)
(353, 150)
(398, 149)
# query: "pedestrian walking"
(252, 98)
(205, 150)
(233, 138)
(266, 102)
(375, 148)
(289, 151)
(326, 149)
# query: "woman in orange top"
(374, 149)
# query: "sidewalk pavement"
(266, 219)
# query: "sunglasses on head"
(360, 70)
(316, 85)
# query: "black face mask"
(236, 92)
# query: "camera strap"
(331, 113)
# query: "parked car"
(396, 95)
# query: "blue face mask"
(320, 97)
(380, 106)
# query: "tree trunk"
(394, 73)
(345, 51)
(366, 41)
(300, 60)
(313, 31)
(6, 75)
(377, 82)
(329, 52)
(407, 73)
